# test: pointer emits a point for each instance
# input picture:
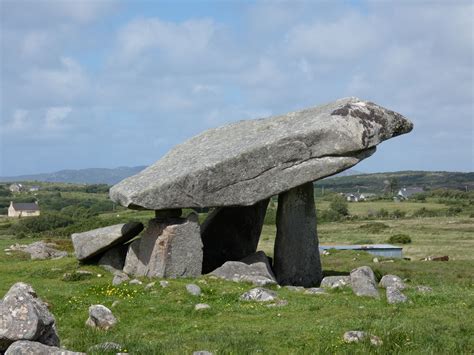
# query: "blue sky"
(104, 83)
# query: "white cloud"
(55, 116)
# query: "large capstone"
(296, 259)
(169, 247)
(246, 162)
(94, 242)
(231, 233)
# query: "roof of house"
(31, 206)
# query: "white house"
(406, 192)
(18, 210)
(16, 187)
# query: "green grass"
(164, 321)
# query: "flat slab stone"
(96, 241)
(248, 161)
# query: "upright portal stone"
(231, 233)
(169, 247)
(296, 259)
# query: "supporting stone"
(296, 259)
(231, 233)
(169, 247)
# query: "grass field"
(163, 320)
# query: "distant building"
(356, 197)
(34, 188)
(406, 192)
(23, 209)
(16, 187)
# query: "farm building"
(350, 197)
(23, 209)
(406, 192)
(16, 187)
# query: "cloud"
(55, 116)
(138, 84)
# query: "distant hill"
(375, 182)
(82, 176)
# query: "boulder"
(255, 269)
(336, 281)
(259, 294)
(40, 250)
(94, 242)
(363, 282)
(296, 259)
(100, 317)
(119, 277)
(392, 281)
(201, 307)
(169, 247)
(356, 336)
(231, 233)
(25, 347)
(395, 295)
(24, 316)
(246, 162)
(114, 258)
(193, 289)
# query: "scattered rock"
(278, 303)
(375, 260)
(254, 268)
(363, 282)
(40, 250)
(94, 242)
(119, 277)
(355, 336)
(201, 306)
(24, 316)
(170, 247)
(315, 291)
(115, 303)
(295, 288)
(77, 275)
(436, 258)
(26, 347)
(395, 295)
(100, 317)
(150, 285)
(202, 352)
(135, 282)
(423, 289)
(336, 281)
(259, 294)
(325, 252)
(164, 284)
(108, 346)
(392, 281)
(193, 289)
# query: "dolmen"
(234, 170)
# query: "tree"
(339, 205)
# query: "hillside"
(81, 176)
(375, 182)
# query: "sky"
(109, 83)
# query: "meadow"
(163, 320)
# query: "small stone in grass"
(135, 282)
(355, 336)
(164, 284)
(100, 317)
(201, 307)
(193, 289)
(259, 294)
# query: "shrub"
(399, 239)
(329, 216)
(339, 205)
(44, 222)
(424, 212)
(375, 227)
(396, 214)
